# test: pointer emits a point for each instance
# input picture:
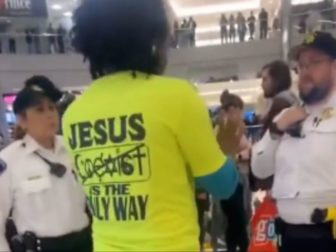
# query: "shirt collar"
(31, 145)
(316, 109)
(332, 101)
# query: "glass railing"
(314, 20)
(211, 36)
(20, 43)
(304, 22)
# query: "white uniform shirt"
(304, 168)
(42, 203)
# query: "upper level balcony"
(199, 64)
(23, 56)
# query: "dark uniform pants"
(306, 238)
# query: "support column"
(4, 128)
(286, 30)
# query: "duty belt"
(29, 242)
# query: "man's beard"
(316, 94)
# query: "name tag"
(285, 196)
(36, 184)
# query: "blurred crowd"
(238, 27)
(233, 28)
(52, 40)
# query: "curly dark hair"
(122, 35)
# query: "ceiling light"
(67, 14)
(215, 8)
(56, 7)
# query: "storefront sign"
(24, 8)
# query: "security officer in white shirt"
(38, 188)
(300, 151)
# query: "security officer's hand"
(289, 117)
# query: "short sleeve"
(5, 206)
(196, 136)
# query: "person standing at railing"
(29, 41)
(303, 25)
(61, 33)
(184, 31)
(263, 22)
(184, 24)
(241, 21)
(36, 39)
(223, 27)
(51, 38)
(175, 39)
(251, 24)
(232, 32)
(12, 45)
(192, 25)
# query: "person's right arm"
(211, 170)
(5, 204)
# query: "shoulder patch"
(3, 166)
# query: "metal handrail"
(308, 12)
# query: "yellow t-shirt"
(137, 144)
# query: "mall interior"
(221, 47)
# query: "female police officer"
(140, 140)
(38, 189)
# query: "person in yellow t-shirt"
(141, 142)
